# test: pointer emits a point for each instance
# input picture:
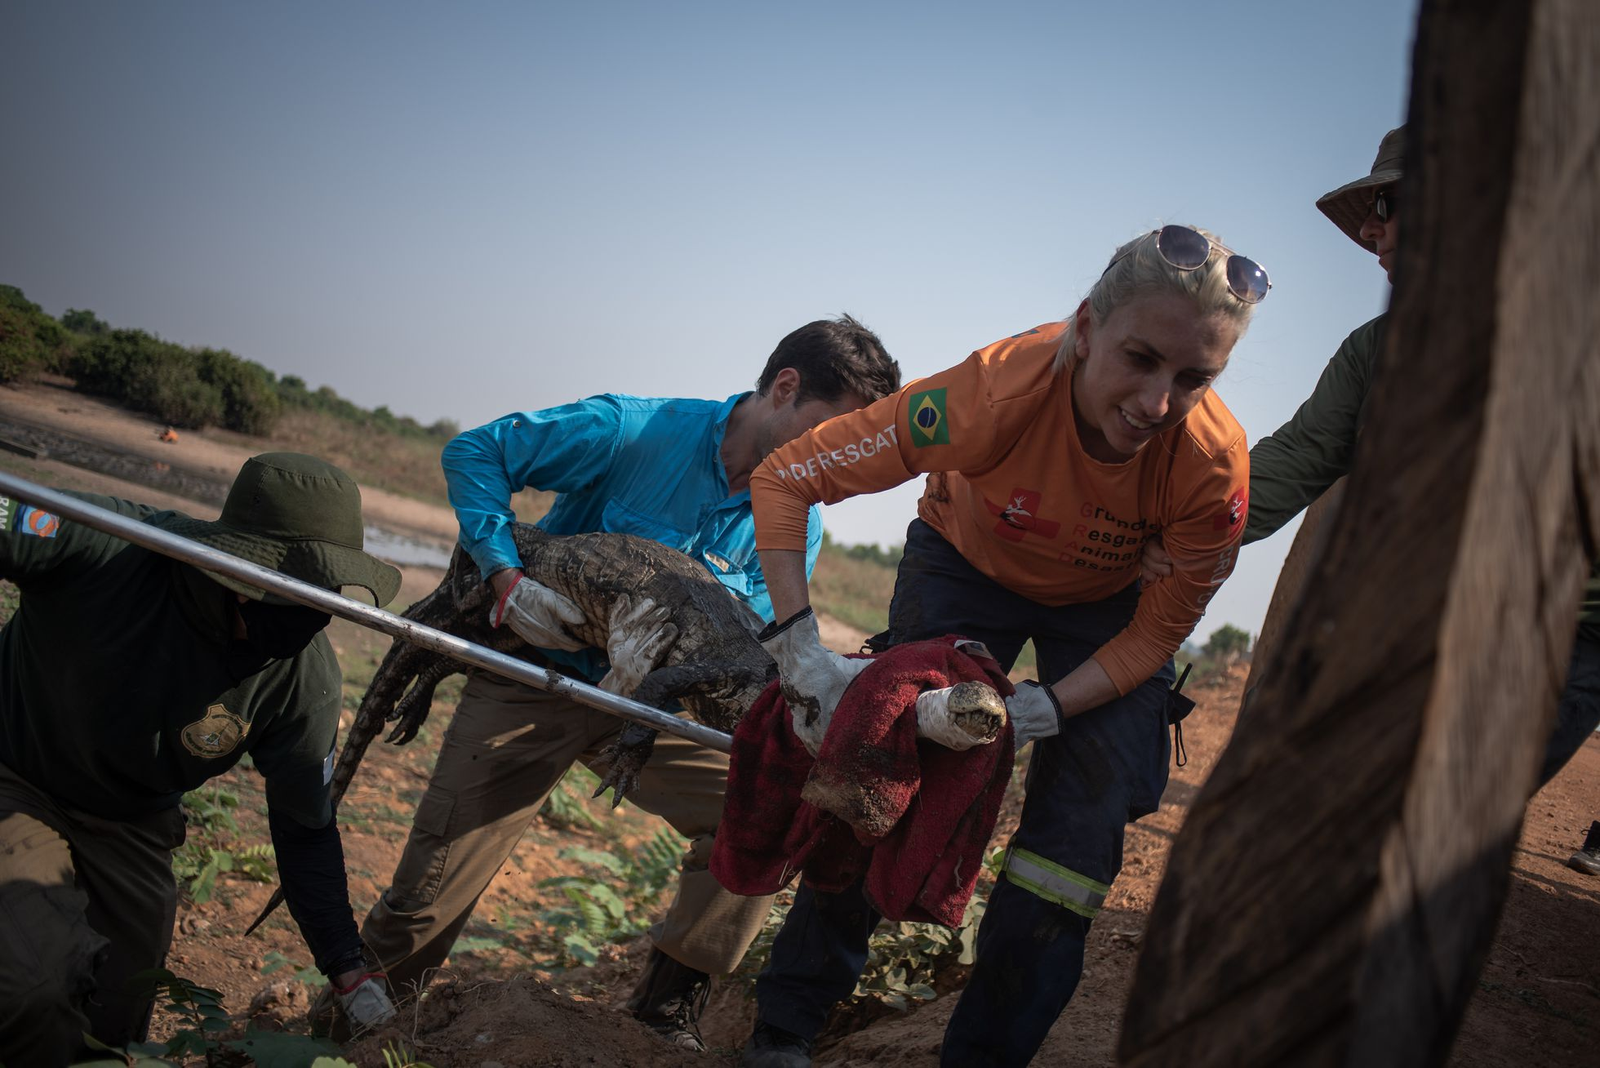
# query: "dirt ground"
(502, 1002)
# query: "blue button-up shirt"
(628, 465)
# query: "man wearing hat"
(1295, 464)
(128, 678)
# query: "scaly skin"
(714, 668)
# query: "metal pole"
(192, 552)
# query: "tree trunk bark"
(1310, 542)
(1335, 887)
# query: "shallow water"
(403, 550)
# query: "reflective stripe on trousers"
(1058, 885)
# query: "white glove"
(538, 614)
(365, 1004)
(639, 635)
(1035, 713)
(961, 716)
(813, 678)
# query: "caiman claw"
(627, 756)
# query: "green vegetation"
(201, 859)
(1227, 643)
(613, 898)
(31, 342)
(906, 962)
(1227, 646)
(186, 387)
(303, 973)
(853, 587)
(202, 1021)
(567, 806)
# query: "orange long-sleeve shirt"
(1011, 487)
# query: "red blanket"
(913, 818)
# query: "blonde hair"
(1138, 269)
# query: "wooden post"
(1335, 887)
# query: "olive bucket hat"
(297, 515)
(1349, 205)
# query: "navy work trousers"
(1578, 714)
(1107, 766)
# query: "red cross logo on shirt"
(1237, 508)
(1020, 517)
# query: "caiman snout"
(977, 710)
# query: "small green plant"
(202, 1021)
(567, 806)
(133, 1055)
(198, 1009)
(211, 809)
(395, 1055)
(201, 859)
(904, 960)
(305, 973)
(197, 866)
(612, 899)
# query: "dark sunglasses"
(1188, 249)
(1384, 203)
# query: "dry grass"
(399, 463)
(854, 591)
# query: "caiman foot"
(627, 756)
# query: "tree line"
(186, 387)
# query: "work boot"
(773, 1047)
(669, 999)
(1587, 859)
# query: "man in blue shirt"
(675, 471)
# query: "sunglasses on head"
(1384, 203)
(1188, 249)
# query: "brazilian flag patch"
(928, 423)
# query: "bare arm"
(785, 570)
(1084, 687)
(502, 580)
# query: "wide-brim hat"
(1349, 205)
(298, 515)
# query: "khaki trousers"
(85, 903)
(506, 749)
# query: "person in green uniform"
(1291, 467)
(127, 678)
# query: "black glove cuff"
(773, 629)
(356, 961)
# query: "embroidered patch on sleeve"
(215, 733)
(7, 506)
(31, 520)
(926, 413)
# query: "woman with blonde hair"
(1051, 456)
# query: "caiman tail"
(407, 676)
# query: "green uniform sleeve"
(1295, 464)
(295, 753)
(36, 544)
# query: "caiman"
(714, 667)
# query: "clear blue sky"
(462, 210)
